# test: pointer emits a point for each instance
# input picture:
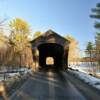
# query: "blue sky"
(62, 16)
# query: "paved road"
(54, 86)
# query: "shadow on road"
(52, 72)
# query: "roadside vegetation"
(93, 48)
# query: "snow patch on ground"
(93, 81)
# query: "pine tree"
(89, 50)
(96, 15)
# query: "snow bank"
(93, 81)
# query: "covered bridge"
(50, 50)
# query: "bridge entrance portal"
(51, 55)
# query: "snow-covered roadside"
(93, 81)
(87, 69)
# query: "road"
(54, 86)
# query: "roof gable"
(50, 36)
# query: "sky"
(62, 16)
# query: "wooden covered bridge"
(50, 50)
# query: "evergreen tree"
(89, 50)
(96, 15)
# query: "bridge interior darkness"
(52, 50)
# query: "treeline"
(15, 50)
(93, 49)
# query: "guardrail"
(7, 73)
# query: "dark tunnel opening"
(53, 50)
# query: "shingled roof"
(49, 33)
